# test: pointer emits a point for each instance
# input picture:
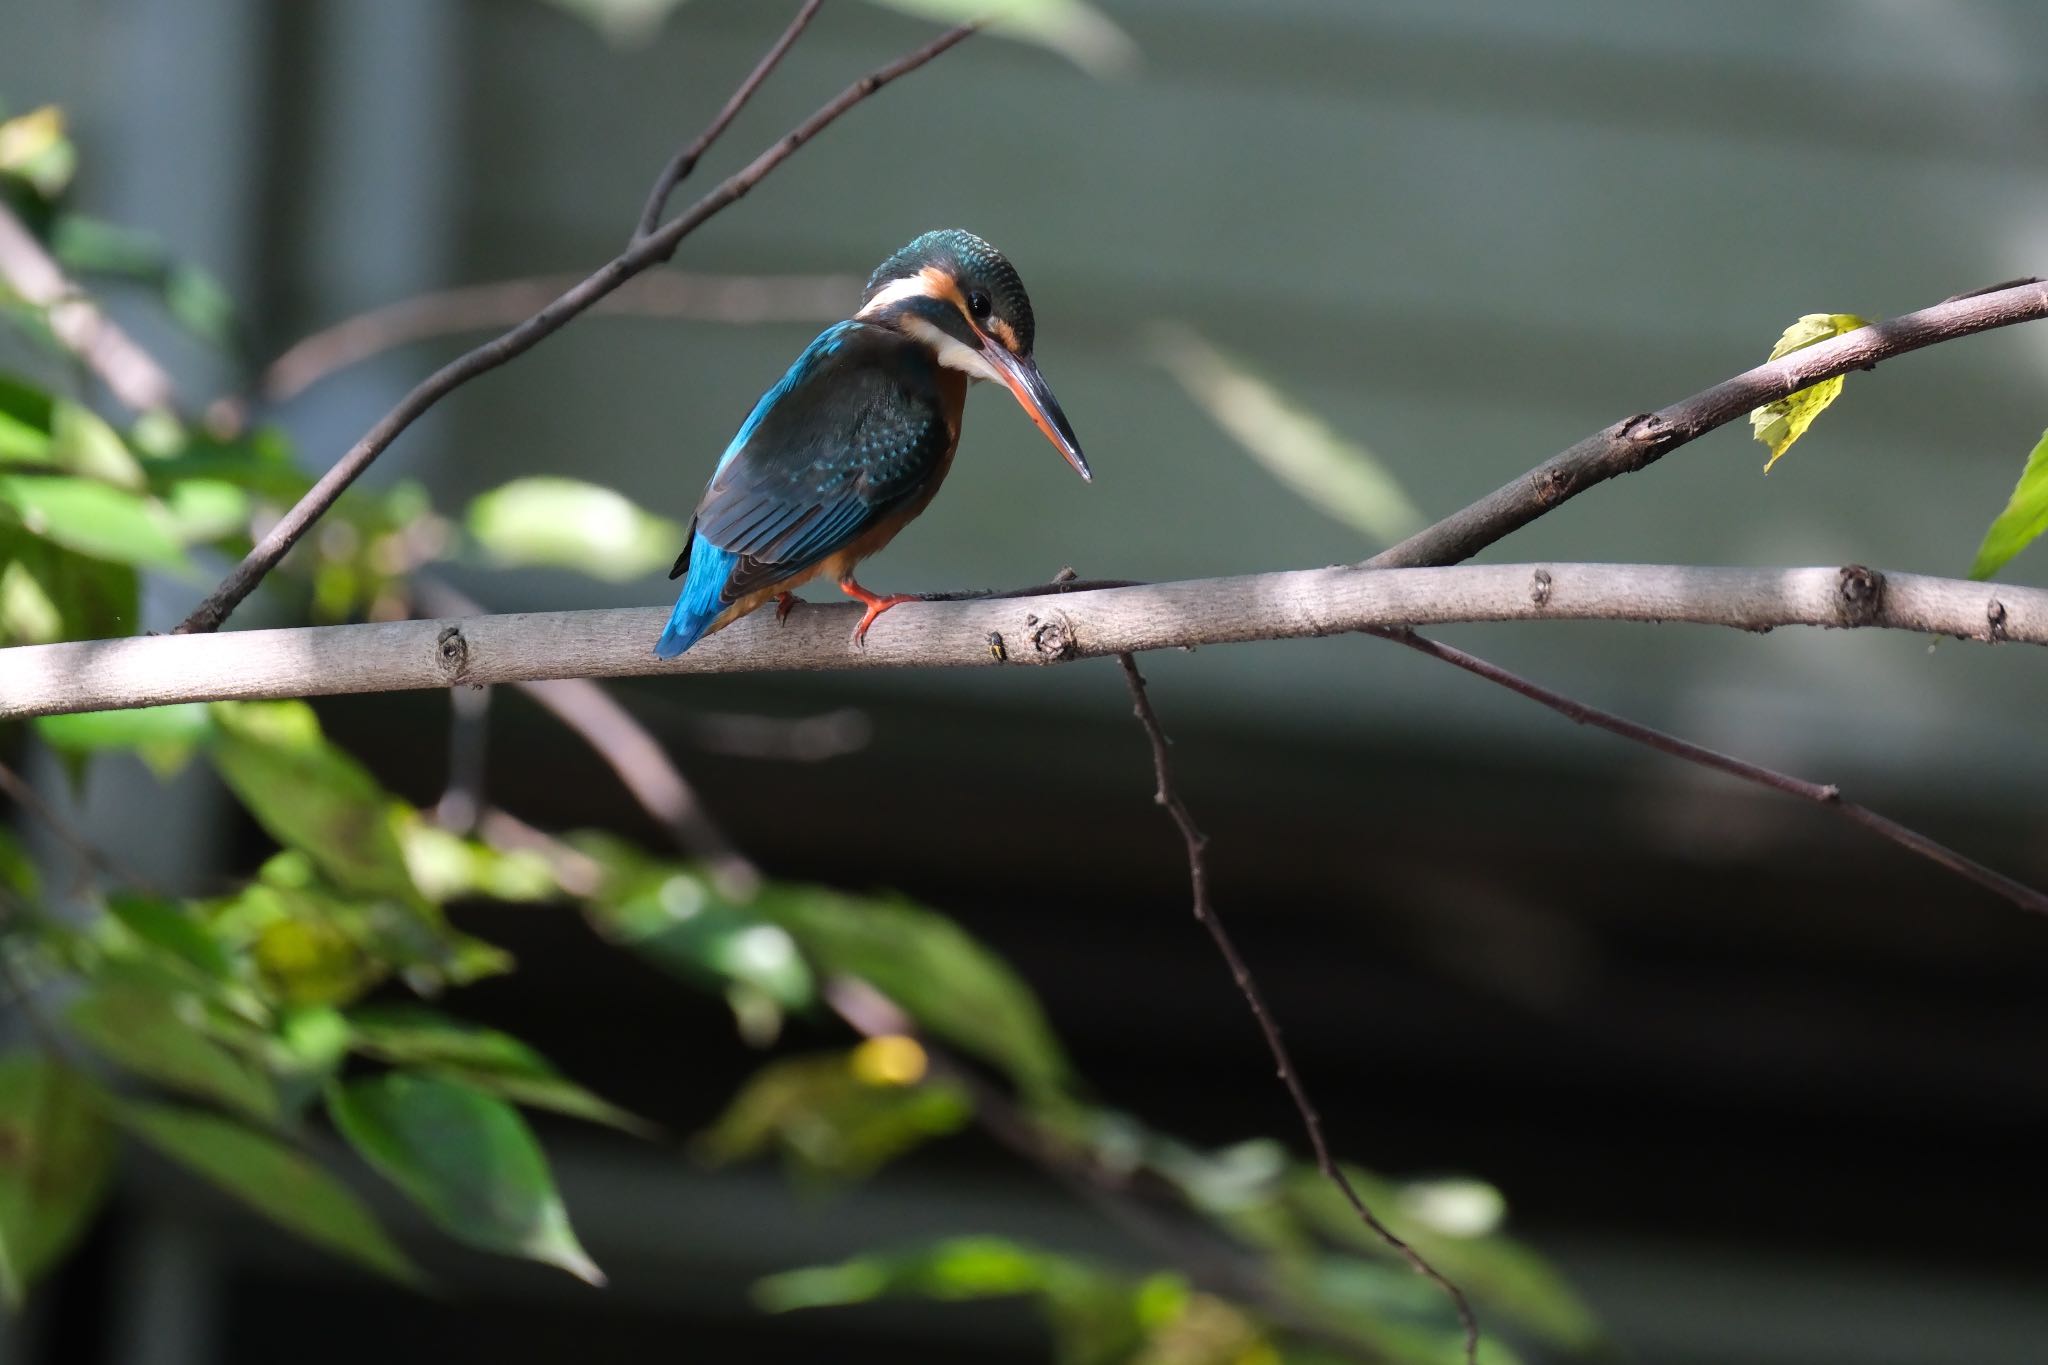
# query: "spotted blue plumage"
(850, 434)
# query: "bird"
(853, 441)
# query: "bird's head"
(959, 296)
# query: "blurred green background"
(1766, 1089)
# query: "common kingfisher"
(854, 440)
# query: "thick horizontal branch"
(99, 675)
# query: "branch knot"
(451, 653)
(1860, 594)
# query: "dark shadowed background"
(1768, 1089)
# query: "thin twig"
(386, 656)
(646, 251)
(684, 161)
(1167, 795)
(730, 299)
(1638, 441)
(469, 731)
(1824, 794)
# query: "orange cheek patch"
(1005, 333)
(941, 285)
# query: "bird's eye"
(978, 304)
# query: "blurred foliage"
(2024, 519)
(1337, 477)
(568, 524)
(1075, 29)
(1777, 425)
(274, 1036)
(35, 150)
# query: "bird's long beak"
(1021, 377)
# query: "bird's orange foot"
(875, 605)
(783, 602)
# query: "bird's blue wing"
(849, 435)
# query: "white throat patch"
(952, 353)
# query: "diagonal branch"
(1166, 795)
(647, 250)
(502, 303)
(98, 675)
(130, 373)
(685, 160)
(1824, 794)
(1638, 441)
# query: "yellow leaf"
(1779, 424)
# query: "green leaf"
(1098, 1316)
(82, 443)
(146, 1032)
(200, 303)
(174, 930)
(25, 416)
(309, 795)
(202, 511)
(2024, 519)
(673, 917)
(831, 1117)
(466, 1158)
(47, 593)
(94, 519)
(569, 524)
(1452, 1223)
(412, 1035)
(56, 1154)
(259, 461)
(1777, 425)
(278, 1182)
(17, 869)
(952, 986)
(164, 736)
(950, 983)
(954, 1269)
(1339, 478)
(447, 867)
(92, 246)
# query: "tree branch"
(1825, 794)
(476, 307)
(97, 675)
(130, 373)
(646, 250)
(684, 161)
(1631, 444)
(1168, 796)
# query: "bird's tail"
(699, 603)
